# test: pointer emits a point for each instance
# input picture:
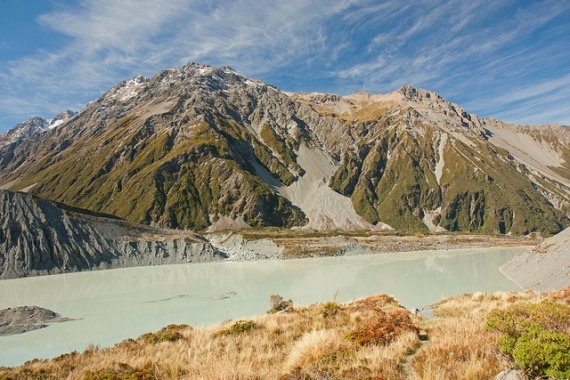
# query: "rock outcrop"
(39, 237)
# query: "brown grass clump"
(314, 346)
(384, 329)
(562, 296)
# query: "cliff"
(39, 237)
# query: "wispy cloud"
(480, 53)
(108, 41)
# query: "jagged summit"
(60, 119)
(418, 94)
(34, 126)
(207, 148)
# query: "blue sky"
(500, 58)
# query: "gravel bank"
(543, 268)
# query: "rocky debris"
(426, 312)
(511, 374)
(279, 305)
(236, 248)
(37, 237)
(22, 319)
(544, 268)
(353, 249)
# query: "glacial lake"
(110, 306)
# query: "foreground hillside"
(39, 237)
(373, 338)
(204, 148)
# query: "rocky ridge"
(38, 237)
(204, 148)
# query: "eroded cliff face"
(37, 237)
(203, 148)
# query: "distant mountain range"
(207, 149)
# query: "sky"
(505, 59)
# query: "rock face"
(37, 237)
(204, 148)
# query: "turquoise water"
(113, 305)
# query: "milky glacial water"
(113, 305)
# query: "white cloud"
(109, 40)
(531, 104)
(106, 24)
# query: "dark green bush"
(535, 337)
(239, 327)
(169, 333)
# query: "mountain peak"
(61, 118)
(34, 126)
(419, 94)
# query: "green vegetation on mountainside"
(276, 143)
(161, 177)
(392, 178)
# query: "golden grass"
(373, 338)
(460, 347)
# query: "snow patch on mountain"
(33, 126)
(55, 123)
(129, 88)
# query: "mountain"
(33, 126)
(205, 148)
(39, 237)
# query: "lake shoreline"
(282, 245)
(113, 305)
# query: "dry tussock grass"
(313, 346)
(373, 338)
(460, 347)
(305, 343)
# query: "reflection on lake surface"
(110, 306)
